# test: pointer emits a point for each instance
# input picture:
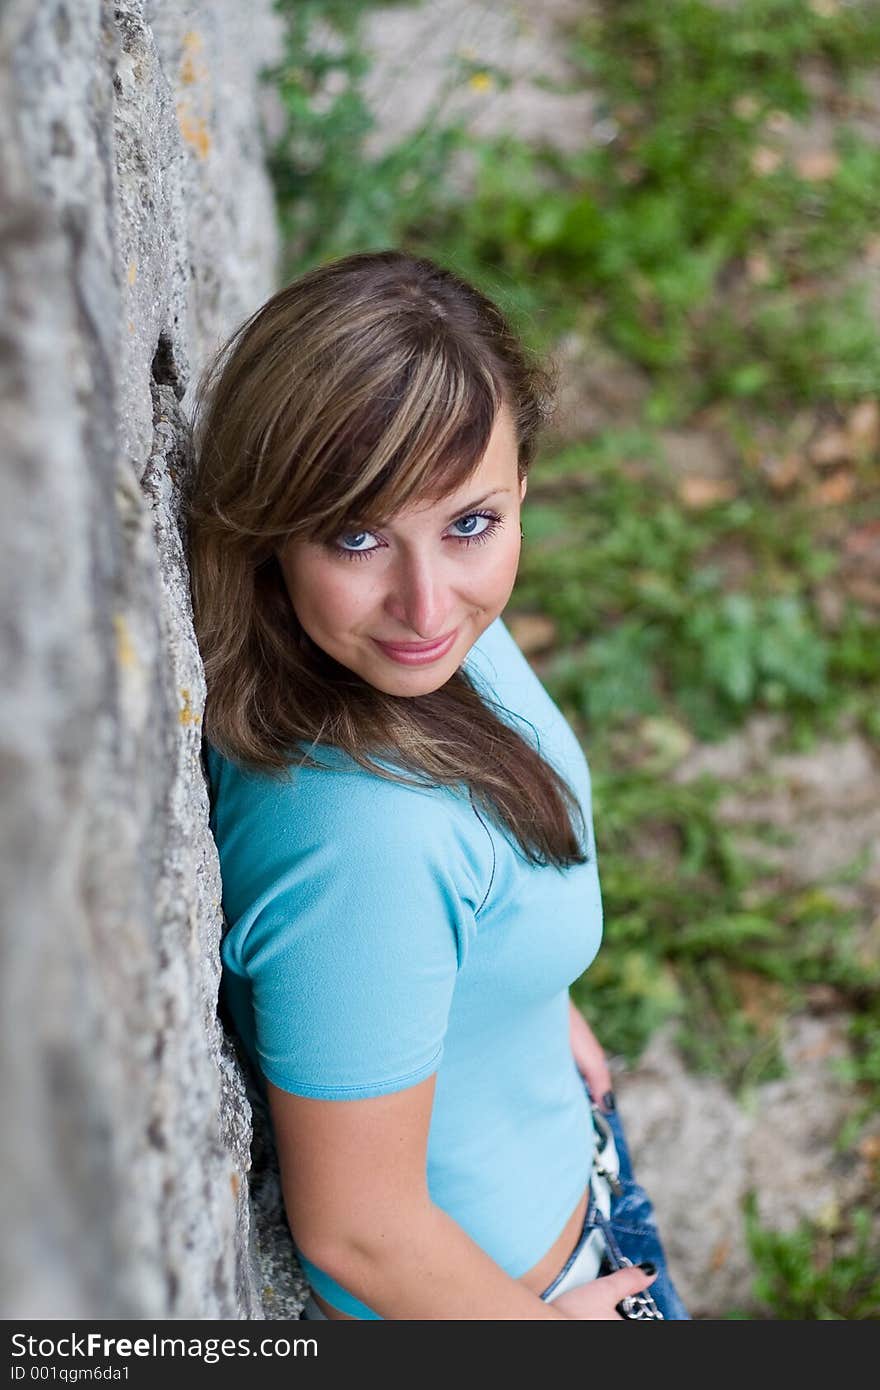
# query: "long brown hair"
(363, 384)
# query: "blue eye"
(471, 537)
(492, 519)
(468, 521)
(356, 536)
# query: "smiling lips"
(417, 653)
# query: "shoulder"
(340, 818)
(330, 790)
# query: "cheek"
(335, 595)
(499, 570)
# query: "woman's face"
(439, 574)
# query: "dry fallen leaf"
(830, 605)
(668, 741)
(720, 1254)
(828, 1217)
(863, 426)
(830, 447)
(864, 540)
(696, 492)
(759, 268)
(760, 999)
(628, 114)
(746, 106)
(644, 71)
(765, 161)
(825, 999)
(779, 122)
(864, 590)
(833, 491)
(817, 165)
(782, 473)
(872, 250)
(869, 1148)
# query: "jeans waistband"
(585, 1260)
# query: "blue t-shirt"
(380, 932)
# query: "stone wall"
(136, 230)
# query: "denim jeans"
(631, 1231)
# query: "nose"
(419, 598)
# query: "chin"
(416, 683)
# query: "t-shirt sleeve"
(360, 926)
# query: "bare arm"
(589, 1056)
(355, 1191)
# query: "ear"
(523, 484)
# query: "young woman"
(403, 815)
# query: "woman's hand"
(599, 1298)
(590, 1058)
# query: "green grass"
(699, 936)
(664, 631)
(816, 1273)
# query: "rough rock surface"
(136, 230)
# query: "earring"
(522, 534)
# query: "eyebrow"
(366, 522)
(478, 502)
